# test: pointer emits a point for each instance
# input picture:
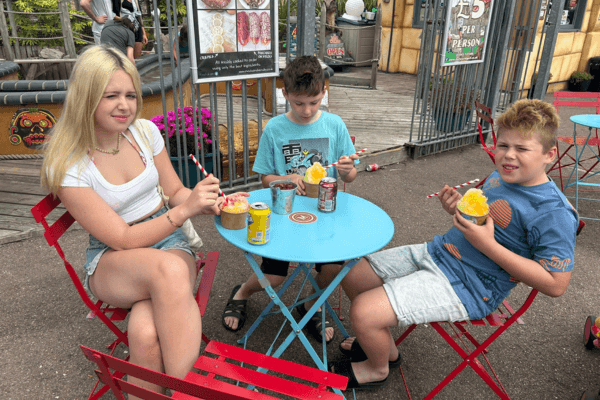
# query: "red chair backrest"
(485, 113)
(52, 233)
(560, 102)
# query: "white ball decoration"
(354, 9)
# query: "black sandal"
(357, 354)
(313, 326)
(236, 309)
(590, 395)
(344, 368)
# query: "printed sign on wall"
(466, 31)
(233, 39)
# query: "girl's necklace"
(115, 150)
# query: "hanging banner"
(466, 31)
(233, 39)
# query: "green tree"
(35, 25)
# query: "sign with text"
(466, 31)
(233, 39)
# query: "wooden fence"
(39, 69)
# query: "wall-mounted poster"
(466, 31)
(233, 39)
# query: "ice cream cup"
(311, 189)
(234, 221)
(476, 219)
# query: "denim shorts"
(418, 290)
(96, 248)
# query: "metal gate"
(443, 110)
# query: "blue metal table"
(356, 228)
(592, 121)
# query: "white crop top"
(134, 199)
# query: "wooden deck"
(379, 119)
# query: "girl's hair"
(74, 133)
(529, 117)
(304, 76)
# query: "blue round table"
(590, 121)
(356, 228)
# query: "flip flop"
(236, 309)
(313, 326)
(344, 368)
(590, 395)
(357, 354)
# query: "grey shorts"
(418, 290)
(96, 248)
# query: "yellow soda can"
(259, 223)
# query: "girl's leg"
(144, 346)
(126, 277)
(137, 50)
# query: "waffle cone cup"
(233, 221)
(312, 190)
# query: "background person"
(183, 50)
(99, 11)
(105, 166)
(130, 9)
(118, 33)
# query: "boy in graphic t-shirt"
(290, 144)
(529, 236)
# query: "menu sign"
(466, 31)
(233, 39)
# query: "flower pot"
(578, 85)
(445, 121)
(190, 168)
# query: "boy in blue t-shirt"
(529, 236)
(290, 144)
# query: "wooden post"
(65, 23)
(4, 31)
(13, 27)
(376, 50)
(322, 44)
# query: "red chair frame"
(485, 113)
(106, 313)
(568, 140)
(204, 385)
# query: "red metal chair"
(592, 100)
(484, 113)
(107, 314)
(456, 334)
(217, 377)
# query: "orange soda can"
(372, 167)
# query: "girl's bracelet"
(171, 221)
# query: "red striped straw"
(357, 153)
(455, 187)
(206, 174)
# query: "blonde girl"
(105, 165)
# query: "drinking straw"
(206, 174)
(357, 153)
(455, 187)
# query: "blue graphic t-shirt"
(535, 222)
(287, 148)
